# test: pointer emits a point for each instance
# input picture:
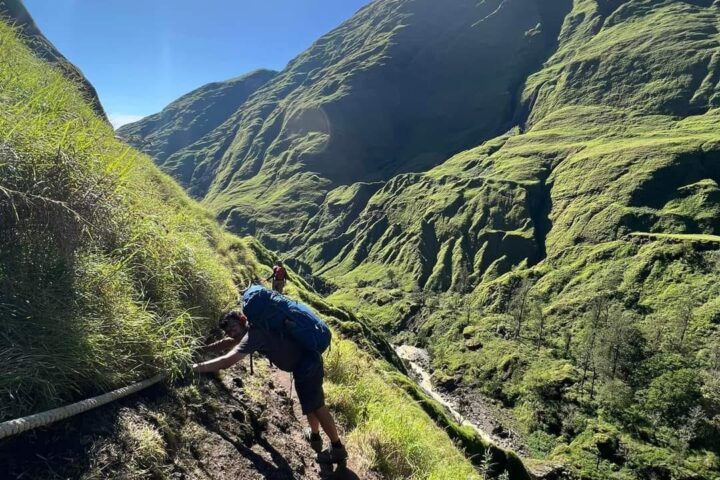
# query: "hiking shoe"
(315, 440)
(333, 455)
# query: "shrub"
(672, 395)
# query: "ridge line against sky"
(142, 54)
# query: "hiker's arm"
(271, 276)
(219, 363)
(221, 345)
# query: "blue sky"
(142, 54)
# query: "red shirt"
(279, 273)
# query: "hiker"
(279, 277)
(259, 332)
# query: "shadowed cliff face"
(371, 99)
(14, 12)
(598, 159)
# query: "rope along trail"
(37, 420)
(19, 425)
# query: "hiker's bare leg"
(314, 423)
(327, 422)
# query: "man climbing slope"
(279, 277)
(292, 338)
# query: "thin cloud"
(118, 119)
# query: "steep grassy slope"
(108, 270)
(15, 13)
(368, 100)
(585, 239)
(190, 118)
(109, 273)
(568, 267)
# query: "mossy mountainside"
(603, 344)
(565, 267)
(368, 100)
(537, 296)
(109, 273)
(14, 12)
(190, 118)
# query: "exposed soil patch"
(355, 468)
(237, 426)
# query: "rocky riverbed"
(467, 407)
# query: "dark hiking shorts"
(278, 285)
(309, 386)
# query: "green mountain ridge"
(306, 131)
(539, 215)
(16, 14)
(191, 117)
(110, 274)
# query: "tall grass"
(108, 272)
(387, 427)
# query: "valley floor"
(467, 406)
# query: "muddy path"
(467, 407)
(237, 426)
(356, 469)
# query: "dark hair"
(225, 320)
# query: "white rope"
(19, 425)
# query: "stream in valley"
(467, 408)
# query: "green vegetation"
(531, 336)
(491, 460)
(110, 273)
(144, 440)
(680, 237)
(388, 428)
(569, 267)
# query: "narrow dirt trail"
(283, 381)
(238, 426)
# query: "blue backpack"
(272, 311)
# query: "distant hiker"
(293, 338)
(279, 277)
